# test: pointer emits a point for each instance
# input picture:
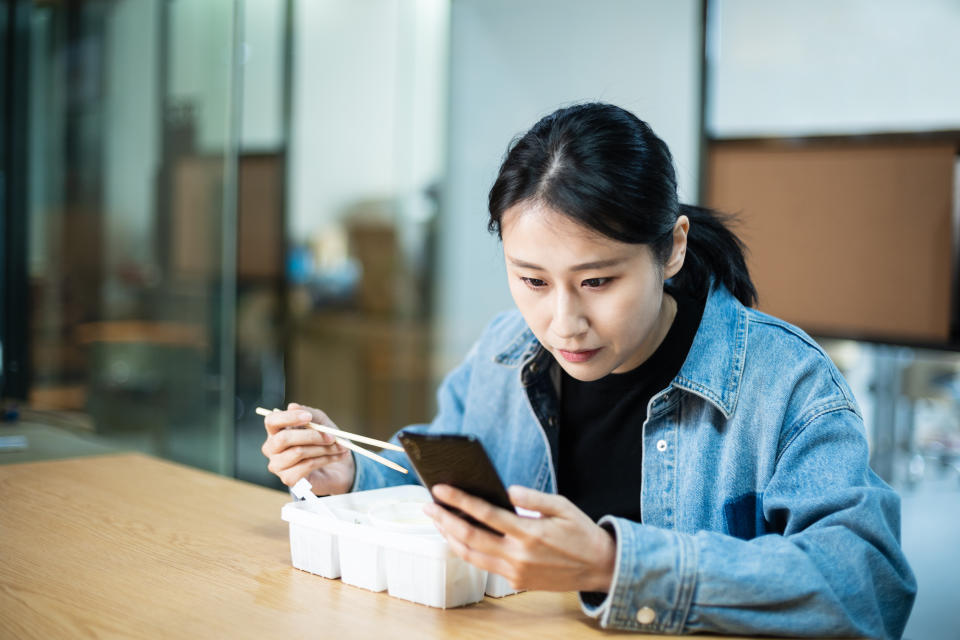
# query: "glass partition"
(186, 262)
(132, 222)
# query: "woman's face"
(595, 303)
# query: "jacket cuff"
(653, 579)
(596, 603)
(364, 477)
(371, 475)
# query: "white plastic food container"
(380, 540)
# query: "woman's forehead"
(526, 218)
(538, 235)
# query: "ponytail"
(714, 255)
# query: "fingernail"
(305, 415)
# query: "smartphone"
(460, 461)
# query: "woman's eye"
(535, 283)
(595, 283)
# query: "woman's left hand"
(563, 550)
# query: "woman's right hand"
(296, 451)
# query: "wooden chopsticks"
(343, 439)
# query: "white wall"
(827, 67)
(513, 62)
(368, 95)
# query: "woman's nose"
(568, 318)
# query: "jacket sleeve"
(449, 419)
(836, 570)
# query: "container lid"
(403, 517)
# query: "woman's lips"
(578, 356)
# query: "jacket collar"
(714, 365)
(521, 348)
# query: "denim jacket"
(760, 512)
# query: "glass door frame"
(14, 112)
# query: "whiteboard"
(822, 67)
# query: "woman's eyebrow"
(524, 265)
(597, 264)
(586, 266)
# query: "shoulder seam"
(761, 318)
(817, 412)
(802, 336)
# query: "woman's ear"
(675, 262)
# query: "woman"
(699, 465)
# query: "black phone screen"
(457, 460)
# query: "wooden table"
(128, 545)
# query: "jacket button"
(661, 445)
(646, 615)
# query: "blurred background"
(212, 205)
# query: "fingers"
(477, 558)
(294, 437)
(318, 416)
(494, 517)
(295, 415)
(547, 504)
(508, 555)
(293, 450)
(456, 528)
(563, 551)
(294, 418)
(292, 456)
(280, 420)
(303, 469)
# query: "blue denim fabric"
(760, 512)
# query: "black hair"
(606, 169)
